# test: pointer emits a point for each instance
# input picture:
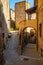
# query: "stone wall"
(2, 61)
(20, 8)
(6, 15)
(5, 18)
(40, 27)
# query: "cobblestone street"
(12, 57)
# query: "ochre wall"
(40, 21)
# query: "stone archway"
(22, 42)
(26, 32)
(24, 24)
(29, 36)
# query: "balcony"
(31, 10)
(31, 13)
(31, 16)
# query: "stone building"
(1, 37)
(39, 4)
(36, 22)
(21, 15)
(40, 25)
(5, 18)
(12, 18)
(26, 18)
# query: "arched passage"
(30, 31)
(23, 25)
(28, 35)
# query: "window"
(40, 29)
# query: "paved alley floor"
(12, 57)
(31, 51)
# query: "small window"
(40, 30)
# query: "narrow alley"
(21, 32)
(12, 57)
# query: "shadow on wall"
(3, 34)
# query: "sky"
(12, 3)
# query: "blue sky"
(12, 3)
